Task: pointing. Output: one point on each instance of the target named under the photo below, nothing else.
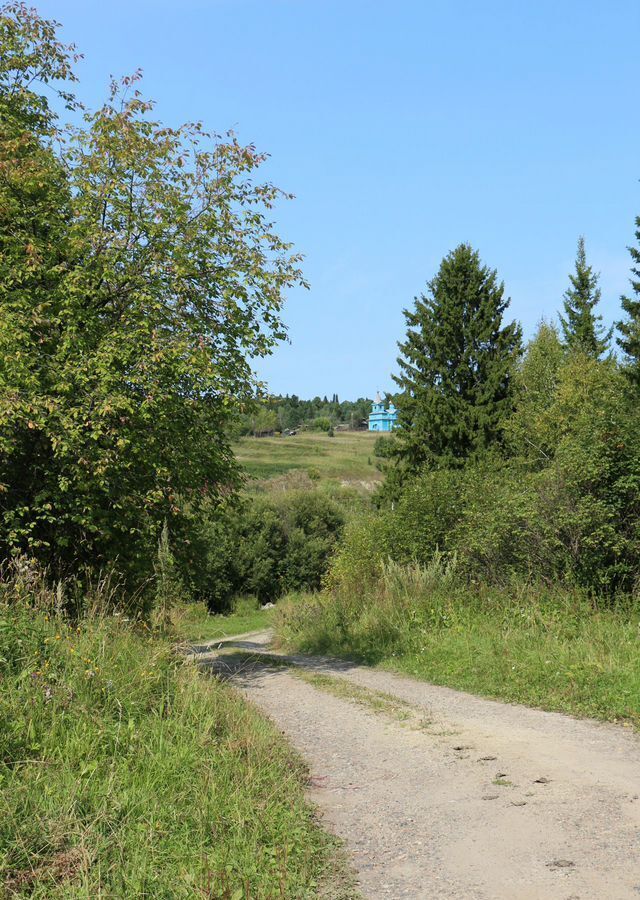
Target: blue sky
(403, 128)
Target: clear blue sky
(403, 128)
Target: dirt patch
(63, 866)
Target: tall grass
(534, 644)
(125, 773)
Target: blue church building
(381, 419)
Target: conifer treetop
(629, 340)
(582, 328)
(456, 364)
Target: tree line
(459, 361)
(287, 413)
(518, 461)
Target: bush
(577, 521)
(265, 546)
(565, 506)
(322, 423)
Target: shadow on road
(254, 661)
(224, 643)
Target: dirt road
(448, 795)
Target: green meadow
(345, 459)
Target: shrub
(565, 506)
(264, 546)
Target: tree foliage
(582, 328)
(293, 412)
(528, 432)
(139, 276)
(629, 328)
(456, 365)
(561, 505)
(263, 547)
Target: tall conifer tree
(582, 328)
(630, 329)
(456, 365)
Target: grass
(346, 458)
(194, 623)
(376, 701)
(585, 663)
(539, 647)
(126, 773)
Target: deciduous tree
(141, 274)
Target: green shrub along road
(262, 546)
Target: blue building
(381, 419)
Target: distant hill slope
(346, 458)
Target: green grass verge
(589, 667)
(553, 651)
(194, 623)
(126, 773)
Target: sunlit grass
(346, 457)
(194, 623)
(126, 773)
(537, 646)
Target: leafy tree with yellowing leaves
(139, 275)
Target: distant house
(381, 419)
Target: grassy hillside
(347, 457)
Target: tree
(35, 216)
(582, 329)
(629, 340)
(528, 430)
(265, 421)
(456, 366)
(128, 318)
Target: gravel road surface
(466, 797)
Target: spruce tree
(630, 329)
(456, 366)
(582, 329)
